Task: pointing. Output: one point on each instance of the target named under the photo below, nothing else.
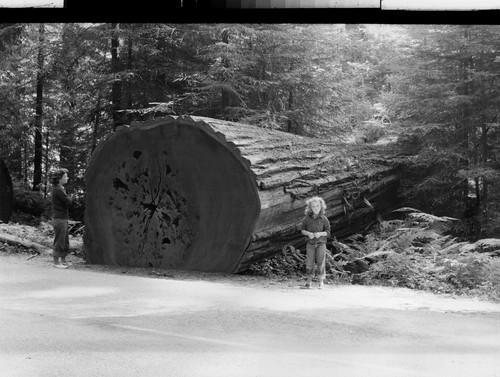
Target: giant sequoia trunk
(204, 194)
(6, 193)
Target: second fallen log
(14, 240)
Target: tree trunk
(225, 94)
(46, 159)
(485, 150)
(67, 157)
(6, 193)
(117, 83)
(469, 133)
(97, 119)
(205, 194)
(130, 48)
(290, 102)
(68, 122)
(26, 158)
(37, 161)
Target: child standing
(316, 228)
(60, 205)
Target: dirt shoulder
(345, 296)
(18, 255)
(42, 234)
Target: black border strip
(155, 13)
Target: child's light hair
(308, 210)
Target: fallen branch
(13, 240)
(290, 250)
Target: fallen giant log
(205, 194)
(6, 193)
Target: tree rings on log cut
(6, 193)
(169, 193)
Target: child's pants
(316, 252)
(61, 237)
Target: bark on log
(13, 240)
(6, 193)
(204, 194)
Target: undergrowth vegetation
(417, 251)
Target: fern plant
(417, 253)
(492, 272)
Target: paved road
(80, 323)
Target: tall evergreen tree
(40, 77)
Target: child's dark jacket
(314, 225)
(60, 203)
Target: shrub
(492, 272)
(395, 270)
(464, 272)
(371, 131)
(30, 202)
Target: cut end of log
(171, 194)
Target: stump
(6, 193)
(204, 194)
